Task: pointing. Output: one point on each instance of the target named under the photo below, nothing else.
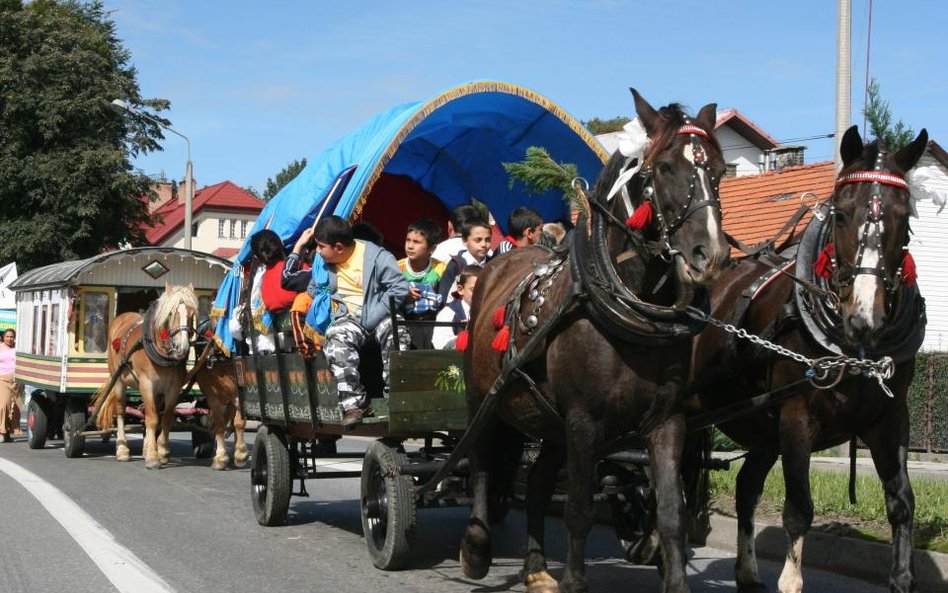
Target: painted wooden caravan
(63, 315)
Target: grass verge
(830, 491)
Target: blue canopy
(452, 145)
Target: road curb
(843, 555)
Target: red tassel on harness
(823, 266)
(909, 273)
(641, 218)
(500, 313)
(502, 340)
(164, 333)
(116, 344)
(460, 342)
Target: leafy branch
(540, 173)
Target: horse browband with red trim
(873, 177)
(693, 129)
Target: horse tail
(105, 406)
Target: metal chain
(819, 369)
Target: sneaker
(352, 417)
(9, 439)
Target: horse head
(869, 214)
(672, 196)
(175, 315)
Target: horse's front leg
(167, 419)
(220, 416)
(121, 443)
(888, 442)
(541, 484)
(149, 444)
(240, 446)
(475, 555)
(750, 483)
(582, 444)
(665, 444)
(795, 449)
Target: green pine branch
(540, 173)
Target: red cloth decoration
(208, 333)
(641, 218)
(823, 266)
(164, 333)
(502, 340)
(909, 273)
(460, 342)
(116, 344)
(500, 314)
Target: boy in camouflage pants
(362, 279)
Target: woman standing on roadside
(9, 390)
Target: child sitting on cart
(424, 278)
(362, 278)
(285, 280)
(456, 312)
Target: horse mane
(169, 300)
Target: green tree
(286, 174)
(67, 186)
(879, 115)
(604, 126)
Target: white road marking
(122, 567)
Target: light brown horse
(148, 353)
(218, 383)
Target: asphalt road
(190, 529)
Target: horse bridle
(172, 332)
(874, 213)
(665, 229)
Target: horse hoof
(123, 455)
(541, 582)
(219, 464)
(240, 460)
(152, 464)
(474, 566)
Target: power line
(784, 141)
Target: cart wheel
(203, 445)
(270, 477)
(634, 520)
(37, 422)
(388, 507)
(74, 420)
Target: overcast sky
(255, 85)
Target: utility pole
(843, 76)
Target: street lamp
(123, 108)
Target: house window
(731, 170)
(233, 229)
(220, 228)
(243, 229)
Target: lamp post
(122, 107)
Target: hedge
(928, 397)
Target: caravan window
(53, 343)
(95, 321)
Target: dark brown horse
(600, 333)
(860, 303)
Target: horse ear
(646, 112)
(191, 286)
(167, 286)
(708, 117)
(908, 156)
(851, 148)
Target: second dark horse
(602, 334)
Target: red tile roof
(755, 207)
(224, 196)
(746, 128)
(225, 252)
